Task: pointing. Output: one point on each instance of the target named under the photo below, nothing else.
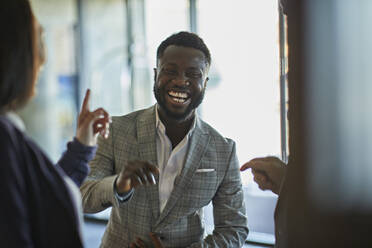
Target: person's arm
(74, 161)
(97, 190)
(15, 228)
(230, 221)
(268, 172)
(103, 188)
(82, 149)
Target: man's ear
(206, 82)
(155, 74)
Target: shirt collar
(16, 120)
(160, 126)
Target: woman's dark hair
(185, 39)
(16, 53)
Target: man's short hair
(185, 39)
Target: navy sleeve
(15, 230)
(74, 161)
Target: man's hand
(135, 174)
(91, 123)
(268, 172)
(140, 244)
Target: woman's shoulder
(12, 137)
(8, 131)
(13, 140)
(4, 122)
(11, 147)
(16, 148)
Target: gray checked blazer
(133, 137)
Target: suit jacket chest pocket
(202, 188)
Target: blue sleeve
(74, 161)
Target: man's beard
(159, 96)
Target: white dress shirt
(170, 161)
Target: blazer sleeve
(15, 220)
(97, 190)
(230, 221)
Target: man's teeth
(180, 100)
(178, 94)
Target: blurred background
(110, 47)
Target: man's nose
(182, 80)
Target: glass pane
(163, 18)
(245, 74)
(50, 117)
(243, 94)
(105, 55)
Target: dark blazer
(36, 209)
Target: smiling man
(160, 166)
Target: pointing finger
(85, 106)
(259, 164)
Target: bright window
(243, 100)
(243, 95)
(163, 18)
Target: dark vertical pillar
(322, 216)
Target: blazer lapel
(198, 143)
(146, 135)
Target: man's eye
(194, 75)
(170, 72)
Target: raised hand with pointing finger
(82, 149)
(268, 172)
(90, 124)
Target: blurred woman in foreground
(40, 201)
